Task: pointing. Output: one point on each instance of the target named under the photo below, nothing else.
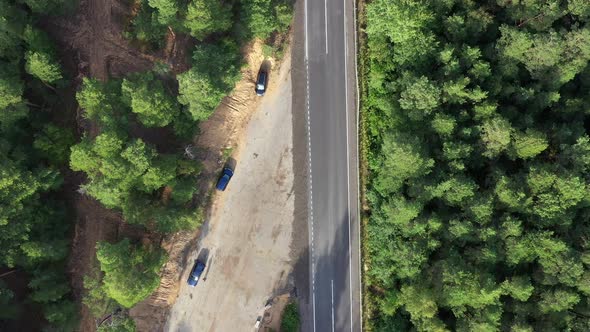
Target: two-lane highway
(332, 148)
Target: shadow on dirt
(231, 163)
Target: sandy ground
(224, 129)
(247, 242)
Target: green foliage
(263, 17)
(183, 190)
(128, 174)
(146, 96)
(166, 10)
(519, 288)
(404, 158)
(34, 231)
(419, 98)
(131, 272)
(101, 102)
(557, 300)
(216, 70)
(146, 26)
(479, 165)
(43, 67)
(62, 314)
(95, 298)
(11, 87)
(8, 309)
(117, 168)
(119, 324)
(529, 144)
(54, 143)
(48, 287)
(495, 135)
(206, 17)
(290, 321)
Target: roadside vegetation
(34, 145)
(477, 121)
(290, 321)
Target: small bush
(290, 321)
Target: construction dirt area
(247, 230)
(246, 242)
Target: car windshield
(260, 86)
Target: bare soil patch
(271, 320)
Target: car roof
(223, 181)
(198, 265)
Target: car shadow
(265, 66)
(231, 163)
(203, 255)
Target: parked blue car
(224, 179)
(261, 82)
(196, 272)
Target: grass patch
(290, 321)
(364, 148)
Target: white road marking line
(332, 305)
(311, 224)
(306, 46)
(326, 22)
(358, 187)
(347, 161)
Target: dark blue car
(261, 82)
(196, 272)
(224, 179)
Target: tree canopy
(206, 17)
(147, 97)
(215, 71)
(34, 226)
(126, 173)
(479, 154)
(131, 272)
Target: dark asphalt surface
(334, 225)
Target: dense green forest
(34, 224)
(123, 172)
(477, 116)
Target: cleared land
(246, 242)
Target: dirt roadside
(246, 241)
(223, 131)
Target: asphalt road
(332, 126)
